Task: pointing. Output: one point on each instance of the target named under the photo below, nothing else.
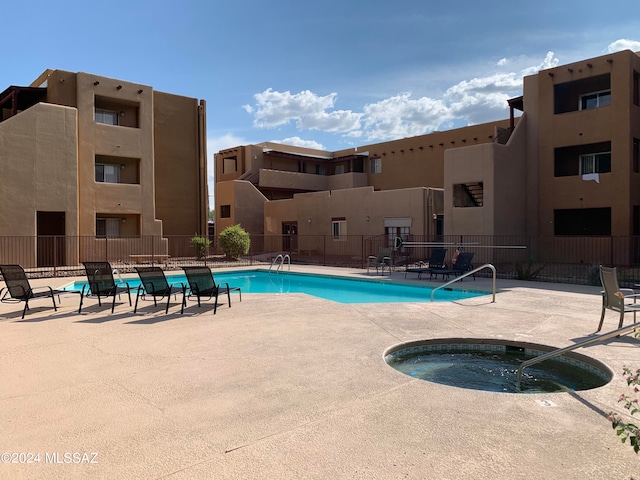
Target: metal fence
(553, 259)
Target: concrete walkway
(296, 387)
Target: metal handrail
(560, 351)
(471, 272)
(282, 259)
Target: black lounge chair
(462, 265)
(436, 262)
(203, 285)
(101, 284)
(153, 282)
(621, 300)
(19, 289)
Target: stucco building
(567, 167)
(89, 158)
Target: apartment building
(393, 188)
(89, 157)
(567, 167)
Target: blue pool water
(337, 289)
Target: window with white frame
(108, 117)
(595, 100)
(107, 173)
(339, 228)
(595, 163)
(107, 227)
(376, 165)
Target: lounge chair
(19, 289)
(153, 282)
(380, 261)
(436, 262)
(101, 284)
(462, 265)
(621, 300)
(203, 285)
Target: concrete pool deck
(296, 387)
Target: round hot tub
(491, 365)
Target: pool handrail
(466, 274)
(282, 259)
(560, 351)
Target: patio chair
(203, 285)
(19, 289)
(621, 300)
(153, 282)
(435, 262)
(462, 265)
(383, 259)
(101, 284)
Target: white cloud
(299, 142)
(403, 116)
(623, 44)
(550, 61)
(502, 62)
(309, 111)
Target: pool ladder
(282, 259)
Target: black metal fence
(554, 259)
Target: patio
(293, 386)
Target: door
(51, 247)
(289, 236)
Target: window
(229, 164)
(393, 232)
(595, 100)
(595, 163)
(339, 228)
(339, 169)
(320, 170)
(107, 173)
(225, 211)
(568, 96)
(108, 117)
(582, 221)
(107, 227)
(468, 194)
(376, 165)
(582, 159)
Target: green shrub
(525, 270)
(234, 242)
(200, 244)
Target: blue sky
(330, 74)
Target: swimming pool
(334, 288)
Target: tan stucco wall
(180, 175)
(39, 172)
(363, 208)
(618, 123)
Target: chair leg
(26, 307)
(229, 297)
(601, 319)
(113, 304)
(166, 310)
(621, 317)
(135, 309)
(215, 303)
